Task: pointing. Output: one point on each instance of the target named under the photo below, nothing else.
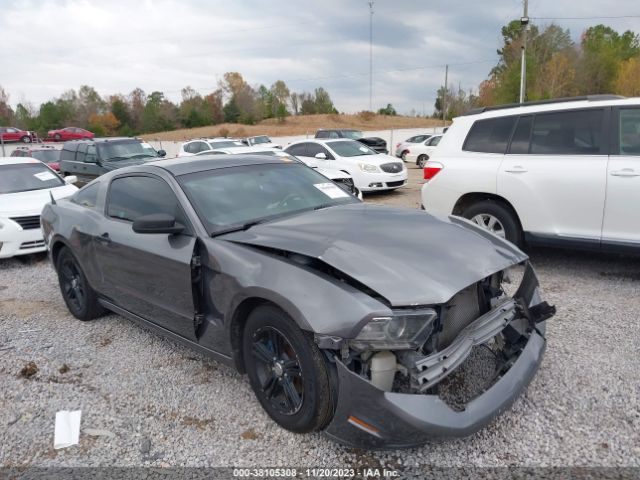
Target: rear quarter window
(490, 135)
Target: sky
(50, 46)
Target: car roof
(17, 160)
(323, 140)
(199, 163)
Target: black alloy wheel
(80, 298)
(287, 371)
(278, 370)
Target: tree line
(603, 61)
(233, 101)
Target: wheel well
(469, 199)
(238, 322)
(55, 251)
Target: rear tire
(288, 373)
(81, 299)
(497, 218)
(57, 137)
(403, 156)
(26, 139)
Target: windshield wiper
(239, 228)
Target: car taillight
(431, 171)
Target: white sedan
(26, 186)
(420, 152)
(403, 147)
(371, 171)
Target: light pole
(371, 56)
(524, 22)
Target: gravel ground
(158, 403)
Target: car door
(621, 223)
(302, 151)
(146, 274)
(11, 135)
(554, 173)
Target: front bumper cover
(402, 420)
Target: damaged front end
(438, 371)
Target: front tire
(57, 137)
(80, 298)
(26, 139)
(287, 371)
(422, 160)
(497, 218)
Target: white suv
(564, 172)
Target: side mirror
(162, 153)
(321, 156)
(70, 179)
(157, 223)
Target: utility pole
(444, 96)
(371, 56)
(524, 22)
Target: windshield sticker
(331, 190)
(44, 176)
(363, 149)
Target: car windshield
(226, 144)
(46, 156)
(352, 134)
(236, 198)
(261, 139)
(24, 177)
(350, 149)
(115, 151)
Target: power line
(585, 18)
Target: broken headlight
(402, 331)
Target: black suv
(374, 143)
(88, 159)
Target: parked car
(45, 153)
(261, 141)
(26, 185)
(69, 133)
(88, 159)
(371, 171)
(421, 152)
(403, 147)
(255, 150)
(13, 134)
(375, 143)
(345, 316)
(563, 173)
(193, 147)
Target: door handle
(516, 169)
(104, 238)
(625, 172)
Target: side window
(489, 136)
(322, 134)
(202, 146)
(435, 141)
(298, 150)
(521, 136)
(334, 135)
(630, 131)
(190, 147)
(82, 150)
(87, 197)
(92, 156)
(314, 148)
(568, 133)
(132, 197)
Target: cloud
(118, 45)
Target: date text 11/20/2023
(362, 472)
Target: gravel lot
(162, 404)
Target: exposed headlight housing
(368, 168)
(402, 331)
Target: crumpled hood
(407, 256)
(32, 202)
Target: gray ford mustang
(350, 318)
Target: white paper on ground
(44, 176)
(67, 431)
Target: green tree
(388, 110)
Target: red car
(45, 153)
(69, 133)
(13, 134)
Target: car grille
(395, 184)
(28, 223)
(394, 167)
(459, 312)
(34, 244)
